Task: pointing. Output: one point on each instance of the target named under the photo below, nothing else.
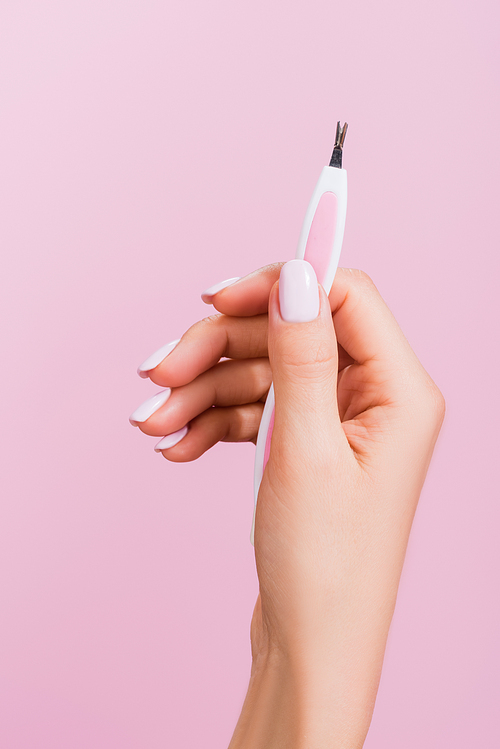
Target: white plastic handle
(320, 243)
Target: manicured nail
(298, 292)
(212, 290)
(156, 358)
(149, 407)
(171, 439)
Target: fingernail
(171, 439)
(156, 358)
(298, 292)
(149, 407)
(212, 290)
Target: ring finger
(232, 424)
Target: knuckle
(309, 361)
(210, 321)
(432, 403)
(249, 422)
(438, 403)
(359, 285)
(207, 329)
(362, 280)
(358, 276)
(264, 377)
(274, 268)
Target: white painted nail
(149, 407)
(156, 358)
(298, 292)
(212, 290)
(171, 439)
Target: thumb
(304, 362)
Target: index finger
(207, 341)
(365, 327)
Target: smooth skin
(356, 421)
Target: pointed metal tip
(340, 134)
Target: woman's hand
(355, 425)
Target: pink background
(148, 150)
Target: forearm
(323, 693)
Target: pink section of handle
(321, 234)
(267, 448)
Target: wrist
(286, 707)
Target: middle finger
(228, 383)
